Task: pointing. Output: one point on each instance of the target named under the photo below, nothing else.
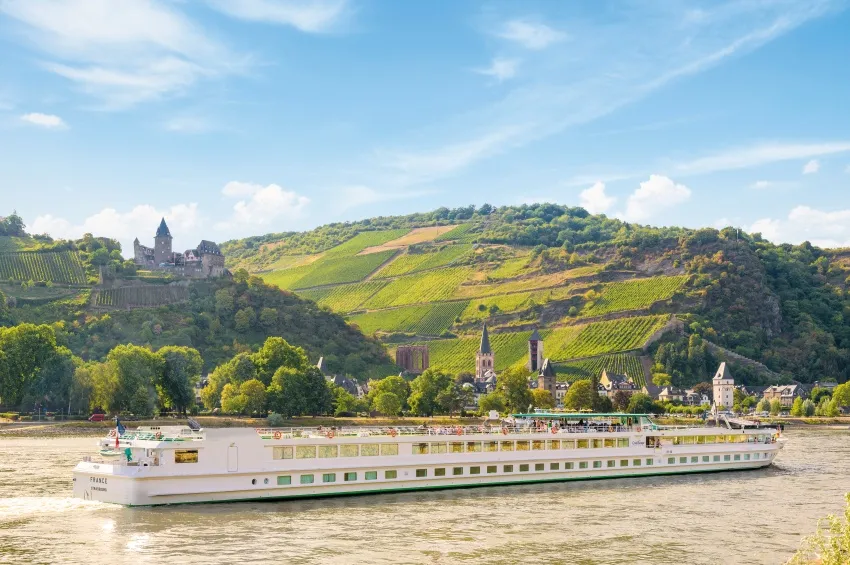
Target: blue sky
(242, 117)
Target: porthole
(253, 481)
(265, 481)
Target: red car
(97, 417)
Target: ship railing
(430, 431)
(157, 436)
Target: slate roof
(723, 373)
(546, 370)
(207, 247)
(485, 341)
(162, 230)
(535, 336)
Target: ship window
(737, 457)
(306, 479)
(683, 459)
(746, 456)
(624, 462)
(539, 466)
(507, 446)
(568, 465)
(327, 451)
(610, 442)
(282, 452)
(689, 440)
(648, 461)
(705, 458)
(727, 457)
(611, 463)
(710, 439)
(553, 444)
(597, 464)
(439, 472)
(390, 474)
(523, 468)
(305, 452)
(371, 475)
(568, 444)
(700, 439)
(508, 469)
(283, 480)
(716, 458)
(492, 469)
(185, 455)
(348, 477)
(721, 439)
(473, 447)
(456, 447)
(349, 450)
(622, 442)
(637, 462)
(671, 460)
(475, 470)
(677, 440)
(421, 473)
(420, 449)
(329, 478)
(598, 443)
(582, 465)
(369, 449)
(538, 445)
(582, 444)
(554, 466)
(491, 446)
(438, 448)
(695, 459)
(522, 446)
(457, 471)
(389, 449)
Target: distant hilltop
(205, 261)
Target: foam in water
(12, 509)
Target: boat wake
(21, 508)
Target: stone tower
(484, 359)
(724, 387)
(535, 352)
(162, 244)
(547, 378)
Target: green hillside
(596, 286)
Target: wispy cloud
(761, 184)
(529, 34)
(261, 206)
(500, 69)
(594, 199)
(811, 167)
(306, 15)
(655, 195)
(121, 55)
(757, 155)
(804, 223)
(188, 124)
(48, 121)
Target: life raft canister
(276, 435)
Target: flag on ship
(120, 429)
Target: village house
(613, 382)
(786, 394)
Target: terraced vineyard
(422, 320)
(611, 336)
(433, 286)
(460, 234)
(513, 267)
(139, 296)
(456, 355)
(342, 269)
(588, 368)
(520, 285)
(414, 262)
(363, 240)
(345, 297)
(634, 295)
(64, 267)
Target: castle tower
(535, 352)
(484, 359)
(724, 387)
(162, 244)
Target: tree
(135, 371)
(393, 384)
(580, 395)
(841, 394)
(454, 397)
(797, 407)
(775, 407)
(424, 390)
(275, 353)
(620, 400)
(830, 545)
(231, 401)
(807, 408)
(493, 401)
(387, 403)
(268, 318)
(24, 349)
(832, 409)
(818, 393)
(662, 379)
(763, 405)
(346, 404)
(640, 403)
(542, 398)
(704, 388)
(236, 371)
(244, 319)
(296, 392)
(254, 394)
(513, 384)
(180, 375)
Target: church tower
(535, 352)
(484, 359)
(162, 244)
(724, 387)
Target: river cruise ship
(174, 464)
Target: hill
(598, 288)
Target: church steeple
(484, 360)
(162, 230)
(485, 341)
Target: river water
(736, 517)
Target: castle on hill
(205, 261)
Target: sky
(234, 118)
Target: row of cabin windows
(309, 479)
(699, 440)
(716, 458)
(522, 445)
(331, 451)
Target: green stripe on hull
(451, 486)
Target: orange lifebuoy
(277, 435)
(459, 431)
(111, 433)
(158, 435)
(638, 428)
(554, 430)
(505, 431)
(330, 434)
(393, 432)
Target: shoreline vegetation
(82, 428)
(830, 544)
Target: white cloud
(811, 167)
(594, 199)
(500, 69)
(188, 124)
(122, 55)
(757, 155)
(529, 34)
(654, 195)
(141, 221)
(49, 121)
(803, 223)
(261, 205)
(761, 184)
(305, 15)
